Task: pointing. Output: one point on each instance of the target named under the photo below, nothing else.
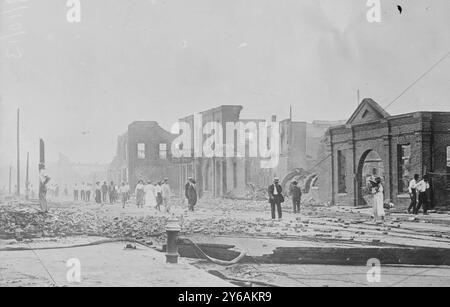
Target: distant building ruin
(144, 152)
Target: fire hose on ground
(108, 241)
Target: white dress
(378, 202)
(150, 197)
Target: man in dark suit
(191, 194)
(296, 193)
(275, 197)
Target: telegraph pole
(10, 177)
(27, 181)
(18, 153)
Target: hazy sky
(162, 60)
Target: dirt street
(226, 221)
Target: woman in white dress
(378, 200)
(150, 197)
(140, 193)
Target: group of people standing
(153, 194)
(419, 192)
(276, 197)
(103, 193)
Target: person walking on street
(140, 194)
(378, 200)
(123, 194)
(296, 193)
(191, 194)
(88, 192)
(150, 196)
(158, 192)
(112, 192)
(413, 193)
(104, 192)
(186, 188)
(82, 191)
(166, 194)
(98, 193)
(43, 181)
(276, 198)
(423, 187)
(76, 191)
(127, 188)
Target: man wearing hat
(186, 187)
(275, 197)
(296, 193)
(191, 194)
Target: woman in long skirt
(140, 193)
(378, 200)
(98, 193)
(150, 198)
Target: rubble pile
(61, 223)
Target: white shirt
(422, 186)
(412, 185)
(275, 190)
(158, 189)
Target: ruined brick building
(374, 143)
(143, 152)
(237, 176)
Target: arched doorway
(370, 166)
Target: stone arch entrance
(370, 166)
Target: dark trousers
(412, 206)
(276, 204)
(88, 195)
(423, 202)
(191, 203)
(296, 204)
(75, 195)
(104, 195)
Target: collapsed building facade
(144, 152)
(244, 176)
(374, 143)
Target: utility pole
(42, 153)
(27, 181)
(10, 177)
(18, 153)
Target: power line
(319, 163)
(418, 79)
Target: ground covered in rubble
(222, 217)
(244, 224)
(212, 216)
